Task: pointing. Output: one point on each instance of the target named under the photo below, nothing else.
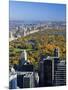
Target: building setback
(52, 71)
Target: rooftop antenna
(56, 52)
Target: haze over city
(29, 11)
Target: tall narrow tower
(24, 31)
(11, 37)
(23, 57)
(25, 54)
(56, 52)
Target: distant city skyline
(33, 11)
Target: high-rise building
(24, 55)
(23, 58)
(20, 81)
(60, 73)
(12, 79)
(48, 68)
(45, 73)
(13, 82)
(28, 80)
(25, 72)
(24, 69)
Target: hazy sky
(19, 10)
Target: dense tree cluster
(37, 44)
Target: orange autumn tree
(49, 49)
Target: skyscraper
(45, 73)
(12, 79)
(60, 74)
(20, 81)
(47, 69)
(23, 58)
(13, 82)
(28, 81)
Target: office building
(45, 73)
(28, 80)
(13, 83)
(20, 81)
(12, 79)
(51, 70)
(60, 74)
(23, 58)
(23, 72)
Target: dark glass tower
(47, 69)
(20, 81)
(45, 73)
